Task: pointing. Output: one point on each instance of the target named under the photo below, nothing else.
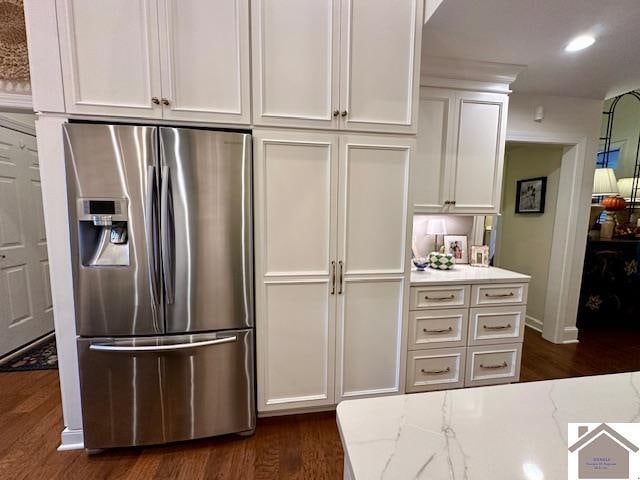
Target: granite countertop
(468, 275)
(505, 432)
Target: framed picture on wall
(479, 256)
(456, 245)
(530, 195)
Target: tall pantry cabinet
(331, 224)
(332, 206)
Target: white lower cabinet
(331, 223)
(459, 343)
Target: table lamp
(605, 184)
(436, 226)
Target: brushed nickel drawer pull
(499, 295)
(502, 365)
(437, 330)
(497, 327)
(449, 297)
(435, 372)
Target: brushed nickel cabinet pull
(155, 100)
(437, 330)
(340, 265)
(489, 367)
(453, 202)
(336, 113)
(165, 101)
(344, 113)
(497, 327)
(447, 202)
(449, 297)
(498, 295)
(333, 277)
(435, 372)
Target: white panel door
(430, 172)
(25, 293)
(374, 189)
(110, 57)
(295, 62)
(295, 242)
(380, 64)
(369, 334)
(481, 120)
(205, 60)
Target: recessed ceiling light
(580, 43)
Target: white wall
(574, 122)
(524, 243)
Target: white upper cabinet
(380, 65)
(110, 62)
(295, 62)
(336, 64)
(460, 153)
(179, 60)
(204, 49)
(430, 173)
(481, 126)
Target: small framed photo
(479, 256)
(530, 195)
(456, 245)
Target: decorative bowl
(420, 263)
(441, 261)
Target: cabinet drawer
(435, 369)
(439, 297)
(438, 328)
(493, 364)
(499, 294)
(488, 325)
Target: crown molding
(466, 74)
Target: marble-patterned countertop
(467, 275)
(505, 432)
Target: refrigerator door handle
(165, 234)
(150, 235)
(119, 347)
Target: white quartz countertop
(516, 431)
(466, 274)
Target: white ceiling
(534, 33)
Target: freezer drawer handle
(101, 347)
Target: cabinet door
(380, 65)
(295, 241)
(110, 57)
(205, 60)
(369, 337)
(372, 233)
(295, 62)
(430, 172)
(481, 126)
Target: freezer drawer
(148, 390)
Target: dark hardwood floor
(291, 447)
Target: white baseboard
(570, 335)
(533, 323)
(71, 440)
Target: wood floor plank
(290, 447)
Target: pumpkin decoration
(614, 204)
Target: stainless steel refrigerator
(161, 223)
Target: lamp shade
(436, 226)
(604, 182)
(625, 187)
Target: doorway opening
(26, 310)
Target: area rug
(40, 357)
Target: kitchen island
(516, 431)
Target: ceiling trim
(464, 74)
